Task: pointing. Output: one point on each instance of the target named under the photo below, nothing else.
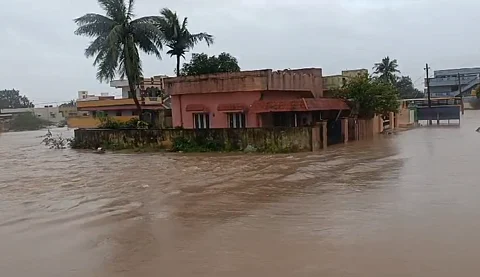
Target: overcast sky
(41, 56)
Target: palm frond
(202, 37)
(131, 4)
(92, 25)
(108, 50)
(185, 23)
(169, 14)
(107, 65)
(115, 36)
(115, 9)
(148, 38)
(95, 47)
(130, 64)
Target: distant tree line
(380, 92)
(203, 64)
(386, 71)
(11, 99)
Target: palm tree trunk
(178, 65)
(135, 98)
(132, 78)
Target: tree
(405, 88)
(386, 70)
(369, 96)
(203, 64)
(11, 99)
(177, 36)
(117, 40)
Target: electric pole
(428, 91)
(428, 86)
(459, 85)
(460, 92)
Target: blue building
(450, 82)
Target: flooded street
(402, 205)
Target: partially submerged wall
(256, 139)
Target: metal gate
(439, 113)
(334, 132)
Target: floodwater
(402, 205)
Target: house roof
(122, 108)
(299, 105)
(231, 107)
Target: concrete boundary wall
(276, 140)
(260, 139)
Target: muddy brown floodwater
(403, 205)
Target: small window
(118, 113)
(201, 120)
(134, 113)
(236, 120)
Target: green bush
(107, 122)
(27, 122)
(198, 144)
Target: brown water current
(401, 205)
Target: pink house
(260, 98)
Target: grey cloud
(43, 58)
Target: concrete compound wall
(293, 139)
(261, 139)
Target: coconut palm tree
(386, 70)
(117, 38)
(177, 36)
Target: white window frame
(201, 120)
(236, 120)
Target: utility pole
(459, 85)
(428, 86)
(428, 91)
(460, 93)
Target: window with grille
(201, 120)
(236, 120)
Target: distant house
(333, 82)
(4, 121)
(68, 111)
(91, 108)
(48, 113)
(452, 82)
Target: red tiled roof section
(231, 107)
(196, 108)
(299, 105)
(326, 104)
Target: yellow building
(68, 111)
(119, 109)
(338, 81)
